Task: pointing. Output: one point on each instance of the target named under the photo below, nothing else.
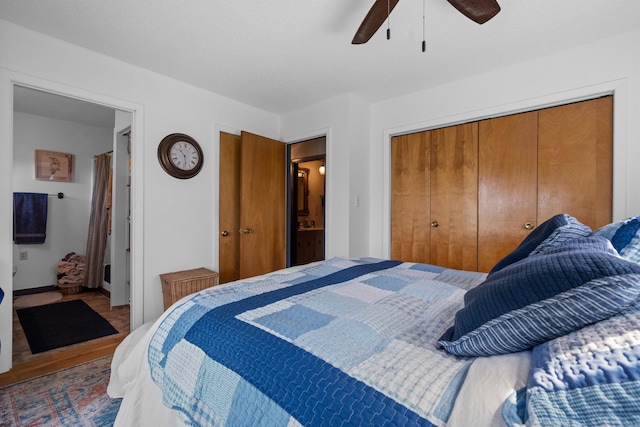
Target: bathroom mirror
(303, 191)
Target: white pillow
(490, 381)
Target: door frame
(120, 291)
(330, 217)
(325, 133)
(8, 80)
(292, 200)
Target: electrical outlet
(23, 255)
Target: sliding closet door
(410, 198)
(229, 219)
(575, 161)
(262, 205)
(454, 196)
(507, 191)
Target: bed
(550, 336)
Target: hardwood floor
(27, 365)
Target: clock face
(184, 155)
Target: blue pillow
(542, 297)
(554, 231)
(625, 237)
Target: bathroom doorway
(81, 130)
(307, 187)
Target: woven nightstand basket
(182, 283)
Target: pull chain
(424, 39)
(388, 18)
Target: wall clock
(180, 155)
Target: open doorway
(307, 201)
(81, 131)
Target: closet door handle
(246, 230)
(225, 233)
(434, 223)
(528, 225)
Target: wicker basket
(182, 283)
(70, 288)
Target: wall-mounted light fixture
(321, 170)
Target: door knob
(246, 230)
(434, 223)
(225, 233)
(528, 225)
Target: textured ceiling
(281, 55)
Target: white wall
(359, 169)
(68, 218)
(608, 66)
(174, 224)
(345, 121)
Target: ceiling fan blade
(374, 19)
(479, 11)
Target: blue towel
(29, 217)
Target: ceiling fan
(479, 11)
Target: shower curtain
(98, 221)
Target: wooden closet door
(410, 198)
(262, 205)
(507, 191)
(454, 197)
(575, 161)
(229, 217)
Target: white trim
(10, 79)
(329, 182)
(618, 88)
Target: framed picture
(54, 166)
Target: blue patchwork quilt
(343, 342)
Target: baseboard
(55, 361)
(31, 291)
(104, 292)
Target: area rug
(75, 396)
(61, 324)
(33, 300)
